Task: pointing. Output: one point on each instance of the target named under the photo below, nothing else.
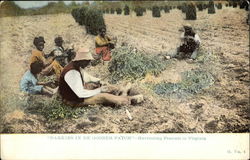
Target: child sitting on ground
(30, 84)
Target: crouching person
(75, 89)
(103, 45)
(190, 43)
(29, 83)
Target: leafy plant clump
(127, 63)
(118, 11)
(219, 6)
(200, 7)
(211, 9)
(126, 10)
(193, 82)
(90, 17)
(94, 20)
(190, 12)
(166, 9)
(139, 11)
(156, 12)
(52, 108)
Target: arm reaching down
(73, 79)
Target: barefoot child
(29, 80)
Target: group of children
(74, 82)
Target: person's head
(187, 28)
(36, 67)
(82, 58)
(39, 43)
(59, 41)
(102, 31)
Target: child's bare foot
(126, 89)
(136, 99)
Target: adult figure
(74, 88)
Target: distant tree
(183, 7)
(139, 11)
(190, 12)
(219, 6)
(200, 7)
(156, 11)
(166, 9)
(9, 8)
(211, 9)
(118, 11)
(126, 10)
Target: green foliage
(235, 4)
(200, 7)
(118, 11)
(107, 10)
(139, 11)
(193, 82)
(92, 18)
(191, 12)
(126, 10)
(127, 63)
(156, 11)
(112, 11)
(183, 7)
(81, 15)
(211, 9)
(52, 108)
(166, 9)
(9, 8)
(219, 6)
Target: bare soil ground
(223, 107)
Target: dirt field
(223, 107)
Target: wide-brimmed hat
(83, 54)
(187, 26)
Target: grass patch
(52, 108)
(130, 64)
(193, 82)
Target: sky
(31, 4)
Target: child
(29, 80)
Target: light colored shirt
(28, 84)
(87, 77)
(196, 38)
(74, 80)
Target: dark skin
(40, 46)
(83, 64)
(59, 43)
(37, 70)
(102, 33)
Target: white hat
(83, 54)
(187, 25)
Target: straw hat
(187, 25)
(83, 54)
